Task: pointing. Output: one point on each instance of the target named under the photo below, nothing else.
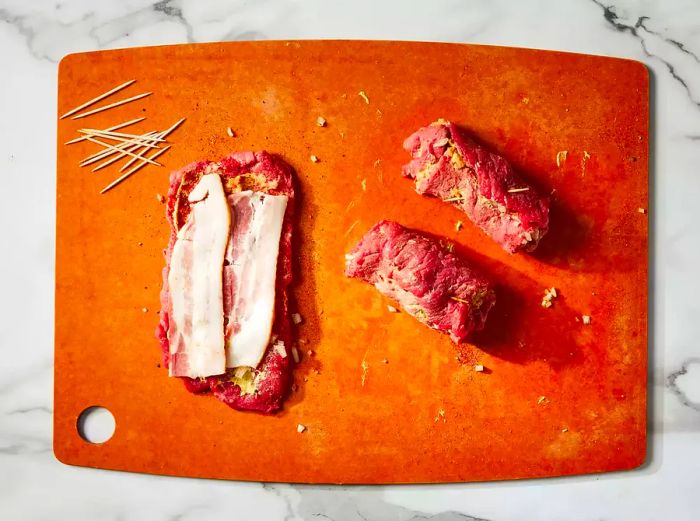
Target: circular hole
(96, 424)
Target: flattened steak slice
(430, 283)
(265, 387)
(447, 164)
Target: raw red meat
(264, 389)
(449, 165)
(431, 283)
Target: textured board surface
(425, 415)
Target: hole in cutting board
(96, 424)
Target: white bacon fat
(251, 271)
(196, 328)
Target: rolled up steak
(449, 165)
(429, 281)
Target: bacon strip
(250, 272)
(196, 328)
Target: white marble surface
(34, 35)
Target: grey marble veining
(35, 35)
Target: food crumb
(295, 354)
(586, 319)
(526, 100)
(642, 210)
(306, 378)
(310, 352)
(549, 294)
(440, 415)
(301, 428)
(385, 361)
(363, 96)
(541, 400)
(450, 247)
(377, 162)
(586, 155)
(321, 121)
(561, 157)
(565, 430)
(479, 368)
(365, 367)
(160, 198)
(364, 185)
(145, 310)
(314, 159)
(458, 225)
(140, 244)
(230, 132)
(296, 318)
(392, 309)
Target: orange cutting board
(384, 398)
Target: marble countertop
(33, 38)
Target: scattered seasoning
(561, 157)
(364, 185)
(296, 318)
(549, 295)
(641, 210)
(314, 159)
(301, 428)
(385, 361)
(145, 310)
(279, 348)
(460, 300)
(450, 247)
(541, 400)
(321, 122)
(230, 132)
(365, 367)
(586, 319)
(295, 355)
(140, 244)
(479, 368)
(392, 309)
(310, 352)
(526, 100)
(516, 190)
(363, 96)
(440, 416)
(459, 225)
(586, 155)
(565, 430)
(377, 162)
(160, 198)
